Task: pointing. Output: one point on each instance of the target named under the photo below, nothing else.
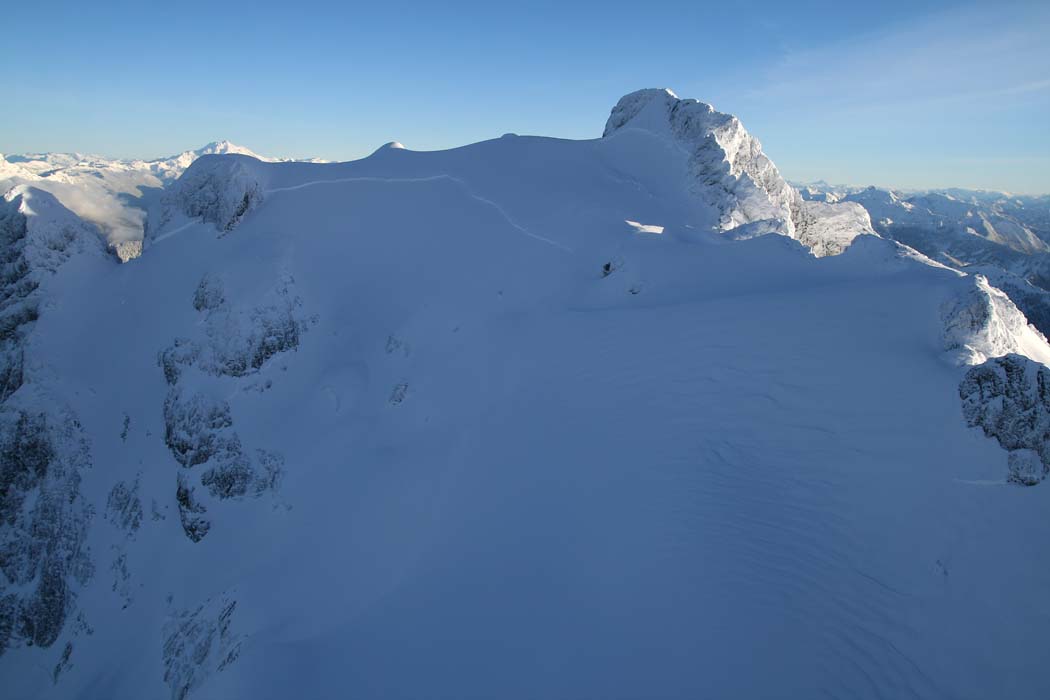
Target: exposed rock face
(43, 518)
(198, 643)
(199, 428)
(194, 524)
(1009, 398)
(37, 235)
(733, 174)
(237, 341)
(209, 294)
(199, 432)
(123, 507)
(43, 525)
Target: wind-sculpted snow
(1009, 398)
(733, 174)
(525, 398)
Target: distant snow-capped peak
(183, 160)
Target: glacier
(533, 417)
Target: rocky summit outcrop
(219, 190)
(732, 173)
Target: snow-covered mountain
(1003, 236)
(533, 417)
(954, 217)
(110, 193)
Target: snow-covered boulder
(829, 228)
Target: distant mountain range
(1003, 236)
(114, 194)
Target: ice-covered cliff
(732, 173)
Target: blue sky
(908, 94)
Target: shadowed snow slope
(446, 425)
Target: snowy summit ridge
(470, 412)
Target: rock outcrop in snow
(199, 428)
(198, 643)
(43, 452)
(733, 174)
(215, 190)
(1009, 398)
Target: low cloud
(118, 220)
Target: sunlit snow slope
(462, 424)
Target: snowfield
(613, 418)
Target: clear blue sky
(910, 94)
